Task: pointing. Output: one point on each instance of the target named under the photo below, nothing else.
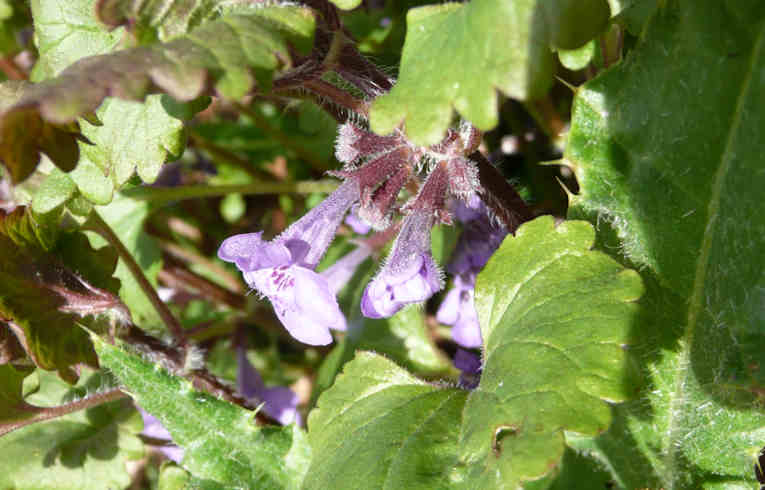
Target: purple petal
(318, 226)
(470, 365)
(467, 362)
(409, 275)
(357, 224)
(302, 301)
(247, 377)
(249, 252)
(467, 331)
(280, 402)
(449, 311)
(153, 428)
(458, 310)
(339, 273)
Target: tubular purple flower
(409, 275)
(458, 310)
(357, 224)
(279, 402)
(339, 273)
(282, 270)
(479, 239)
(470, 365)
(153, 428)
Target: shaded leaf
(676, 169)
(221, 441)
(87, 449)
(24, 135)
(42, 300)
(128, 136)
(478, 48)
(12, 404)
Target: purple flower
(470, 365)
(479, 240)
(357, 224)
(282, 269)
(339, 273)
(279, 402)
(458, 310)
(409, 275)
(154, 429)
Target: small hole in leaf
(499, 435)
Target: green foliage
(50, 284)
(380, 427)
(156, 19)
(675, 169)
(221, 441)
(507, 43)
(87, 449)
(248, 45)
(550, 363)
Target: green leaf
(129, 135)
(577, 59)
(551, 362)
(43, 299)
(12, 404)
(555, 317)
(477, 48)
(24, 135)
(66, 31)
(221, 441)
(676, 169)
(248, 46)
(156, 19)
(55, 190)
(346, 4)
(87, 449)
(380, 427)
(132, 137)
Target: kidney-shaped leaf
(477, 48)
(555, 315)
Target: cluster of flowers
(376, 169)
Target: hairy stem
(338, 96)
(500, 196)
(40, 414)
(97, 224)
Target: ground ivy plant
(382, 244)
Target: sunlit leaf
(478, 48)
(555, 316)
(221, 441)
